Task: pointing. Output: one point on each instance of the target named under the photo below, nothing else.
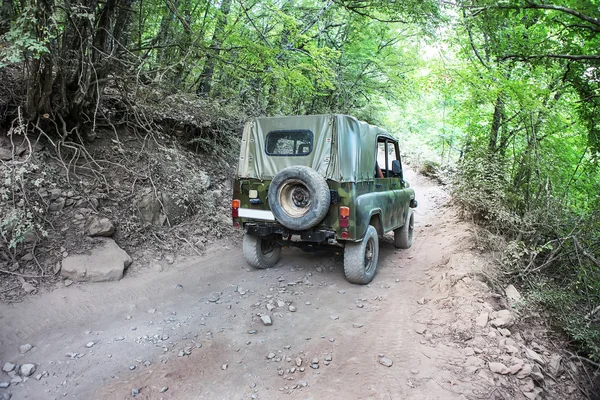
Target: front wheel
(403, 236)
(360, 259)
(261, 252)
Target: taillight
(344, 217)
(235, 207)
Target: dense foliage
(523, 91)
(507, 93)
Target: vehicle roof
(295, 119)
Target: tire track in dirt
(88, 304)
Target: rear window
(289, 143)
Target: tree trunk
(163, 33)
(496, 123)
(206, 77)
(7, 14)
(39, 70)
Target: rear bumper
(311, 235)
(262, 215)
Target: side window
(289, 143)
(387, 153)
(381, 159)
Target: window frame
(386, 140)
(312, 138)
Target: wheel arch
(366, 218)
(375, 220)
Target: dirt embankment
(427, 327)
(85, 207)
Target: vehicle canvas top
(320, 142)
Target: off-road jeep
(317, 180)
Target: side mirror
(396, 168)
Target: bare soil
(419, 312)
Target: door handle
(378, 185)
(393, 183)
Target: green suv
(321, 180)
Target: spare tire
(299, 197)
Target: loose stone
(25, 348)
(386, 362)
(266, 320)
(8, 367)
(27, 369)
(499, 368)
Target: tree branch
(575, 13)
(364, 14)
(593, 259)
(572, 57)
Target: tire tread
(354, 255)
(402, 236)
(251, 249)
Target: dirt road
(193, 331)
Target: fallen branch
(190, 243)
(575, 357)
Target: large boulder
(155, 209)
(106, 262)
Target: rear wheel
(360, 259)
(261, 252)
(403, 236)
